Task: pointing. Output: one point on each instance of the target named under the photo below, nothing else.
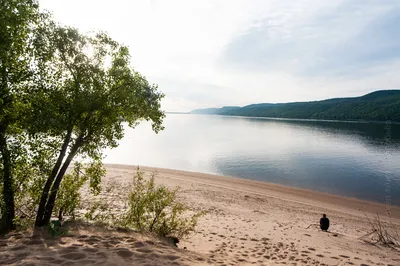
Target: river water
(359, 160)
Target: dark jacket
(324, 223)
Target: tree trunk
(52, 198)
(7, 222)
(50, 180)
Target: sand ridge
(91, 245)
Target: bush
(142, 206)
(156, 209)
(148, 208)
(30, 178)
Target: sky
(214, 53)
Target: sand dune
(91, 245)
(247, 223)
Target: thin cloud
(216, 52)
(348, 40)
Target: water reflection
(352, 159)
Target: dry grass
(382, 233)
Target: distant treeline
(381, 105)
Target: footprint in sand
(67, 250)
(11, 261)
(102, 255)
(17, 248)
(138, 244)
(74, 256)
(90, 250)
(124, 253)
(171, 257)
(144, 250)
(33, 242)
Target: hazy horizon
(218, 53)
(279, 102)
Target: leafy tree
(87, 91)
(17, 22)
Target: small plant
(55, 229)
(69, 196)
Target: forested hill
(376, 106)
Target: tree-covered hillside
(376, 106)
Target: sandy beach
(247, 223)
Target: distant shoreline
(382, 106)
(178, 113)
(302, 119)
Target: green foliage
(156, 209)
(63, 94)
(17, 23)
(32, 165)
(55, 229)
(94, 93)
(87, 98)
(27, 195)
(376, 106)
(95, 172)
(69, 195)
(145, 206)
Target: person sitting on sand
(324, 223)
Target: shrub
(156, 209)
(30, 178)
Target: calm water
(351, 159)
